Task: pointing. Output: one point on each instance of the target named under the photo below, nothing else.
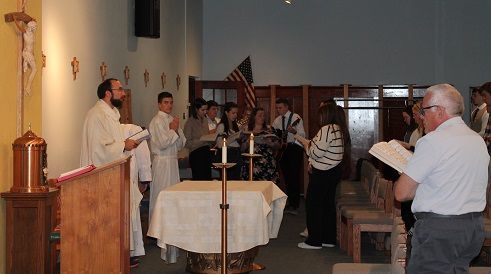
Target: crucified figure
(28, 35)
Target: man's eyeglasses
(422, 110)
(120, 89)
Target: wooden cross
(126, 72)
(75, 68)
(146, 77)
(103, 69)
(163, 79)
(178, 81)
(43, 57)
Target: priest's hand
(130, 144)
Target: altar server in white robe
(166, 140)
(103, 138)
(140, 170)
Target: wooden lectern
(95, 220)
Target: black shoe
(134, 262)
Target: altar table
(187, 215)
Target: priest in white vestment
(166, 140)
(103, 138)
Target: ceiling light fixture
(289, 2)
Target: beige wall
(9, 86)
(96, 31)
(93, 31)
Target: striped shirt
(326, 149)
(487, 135)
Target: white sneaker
(304, 233)
(307, 246)
(328, 245)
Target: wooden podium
(95, 220)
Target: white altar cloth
(188, 215)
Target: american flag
(243, 73)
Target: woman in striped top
(326, 153)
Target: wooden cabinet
(30, 219)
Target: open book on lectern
(392, 153)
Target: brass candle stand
(251, 163)
(224, 207)
(255, 266)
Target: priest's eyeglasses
(422, 110)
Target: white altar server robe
(164, 144)
(140, 167)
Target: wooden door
(221, 92)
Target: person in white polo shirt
(447, 179)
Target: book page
(232, 137)
(140, 136)
(391, 153)
(75, 172)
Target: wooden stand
(224, 207)
(30, 219)
(251, 163)
(95, 220)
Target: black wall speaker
(147, 18)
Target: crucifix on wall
(126, 72)
(26, 26)
(146, 77)
(163, 79)
(75, 67)
(178, 81)
(43, 57)
(103, 69)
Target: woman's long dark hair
(252, 119)
(333, 114)
(224, 120)
(198, 103)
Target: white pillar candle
(251, 144)
(224, 151)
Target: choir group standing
(105, 140)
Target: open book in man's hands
(140, 136)
(392, 153)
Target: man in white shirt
(103, 141)
(479, 116)
(447, 178)
(167, 139)
(211, 116)
(290, 123)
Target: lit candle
(251, 144)
(224, 151)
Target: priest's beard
(117, 102)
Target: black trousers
(200, 162)
(291, 164)
(445, 245)
(321, 207)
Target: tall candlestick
(251, 144)
(224, 151)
